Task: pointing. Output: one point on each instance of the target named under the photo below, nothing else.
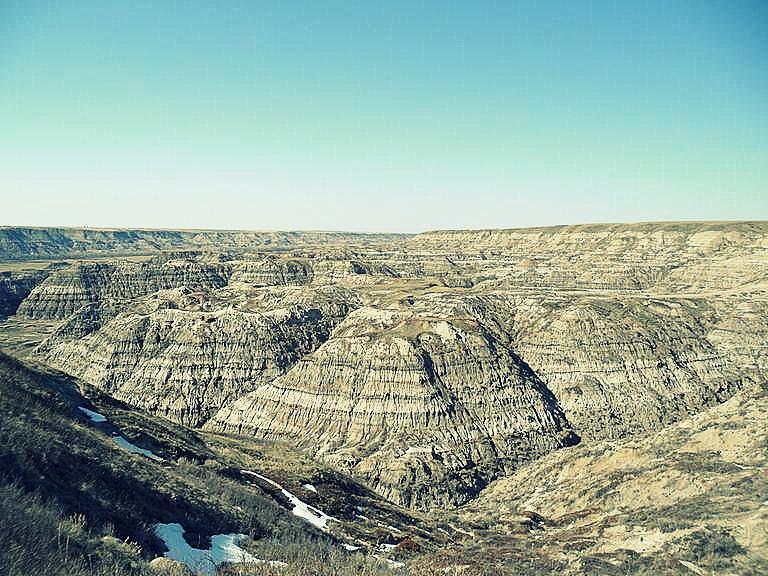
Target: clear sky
(376, 116)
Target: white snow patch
(309, 488)
(350, 547)
(224, 548)
(392, 563)
(387, 547)
(301, 509)
(94, 417)
(123, 443)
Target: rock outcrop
(67, 290)
(702, 479)
(27, 243)
(426, 409)
(668, 257)
(169, 356)
(432, 366)
(16, 286)
(84, 283)
(621, 366)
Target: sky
(381, 116)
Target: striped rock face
(173, 355)
(426, 410)
(427, 366)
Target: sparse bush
(408, 545)
(713, 542)
(38, 538)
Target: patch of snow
(362, 517)
(457, 529)
(350, 547)
(301, 509)
(387, 547)
(224, 548)
(94, 417)
(392, 563)
(393, 528)
(123, 443)
(692, 567)
(309, 488)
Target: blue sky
(400, 116)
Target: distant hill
(31, 243)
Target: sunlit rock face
(65, 291)
(667, 257)
(25, 243)
(170, 355)
(625, 366)
(427, 366)
(427, 410)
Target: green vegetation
(38, 537)
(74, 503)
(714, 547)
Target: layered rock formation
(26, 243)
(664, 256)
(273, 271)
(433, 366)
(168, 355)
(426, 409)
(84, 283)
(16, 286)
(686, 486)
(365, 400)
(65, 291)
(628, 365)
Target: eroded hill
(433, 368)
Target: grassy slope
(690, 498)
(66, 489)
(693, 496)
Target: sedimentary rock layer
(428, 368)
(649, 493)
(663, 256)
(84, 283)
(65, 291)
(25, 243)
(16, 286)
(427, 410)
(620, 366)
(169, 356)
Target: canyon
(448, 370)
